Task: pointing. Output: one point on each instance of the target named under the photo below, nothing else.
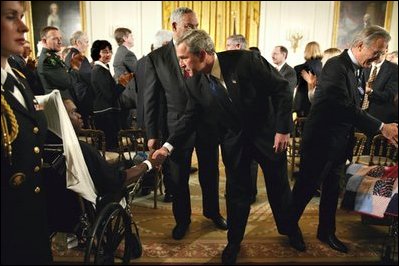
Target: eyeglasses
(105, 52)
(377, 53)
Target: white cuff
(168, 146)
(382, 125)
(148, 163)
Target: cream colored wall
(394, 28)
(143, 18)
(313, 18)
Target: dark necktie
(11, 82)
(218, 90)
(359, 75)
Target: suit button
(36, 149)
(35, 130)
(37, 190)
(17, 179)
(37, 168)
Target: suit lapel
(381, 75)
(17, 106)
(171, 57)
(230, 79)
(282, 70)
(352, 77)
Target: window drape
(220, 19)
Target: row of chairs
(376, 151)
(379, 152)
(132, 147)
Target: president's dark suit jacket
(164, 77)
(289, 74)
(328, 132)
(261, 103)
(385, 86)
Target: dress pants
(312, 174)
(238, 155)
(207, 150)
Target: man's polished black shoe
(219, 222)
(229, 255)
(333, 242)
(296, 240)
(179, 231)
(168, 197)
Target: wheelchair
(106, 232)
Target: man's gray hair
(239, 39)
(76, 36)
(197, 40)
(370, 34)
(178, 13)
(161, 37)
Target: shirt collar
(353, 59)
(278, 68)
(5, 71)
(216, 71)
(101, 64)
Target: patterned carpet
(203, 243)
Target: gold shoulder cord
(8, 136)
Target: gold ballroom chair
(360, 141)
(384, 154)
(381, 153)
(294, 146)
(133, 144)
(96, 138)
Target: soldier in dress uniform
(24, 236)
(52, 70)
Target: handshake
(157, 154)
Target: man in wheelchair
(110, 181)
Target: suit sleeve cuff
(148, 163)
(168, 146)
(381, 126)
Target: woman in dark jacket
(106, 107)
(312, 64)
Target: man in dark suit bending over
(251, 103)
(327, 140)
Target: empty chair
(360, 141)
(96, 138)
(294, 146)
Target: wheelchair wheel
(110, 238)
